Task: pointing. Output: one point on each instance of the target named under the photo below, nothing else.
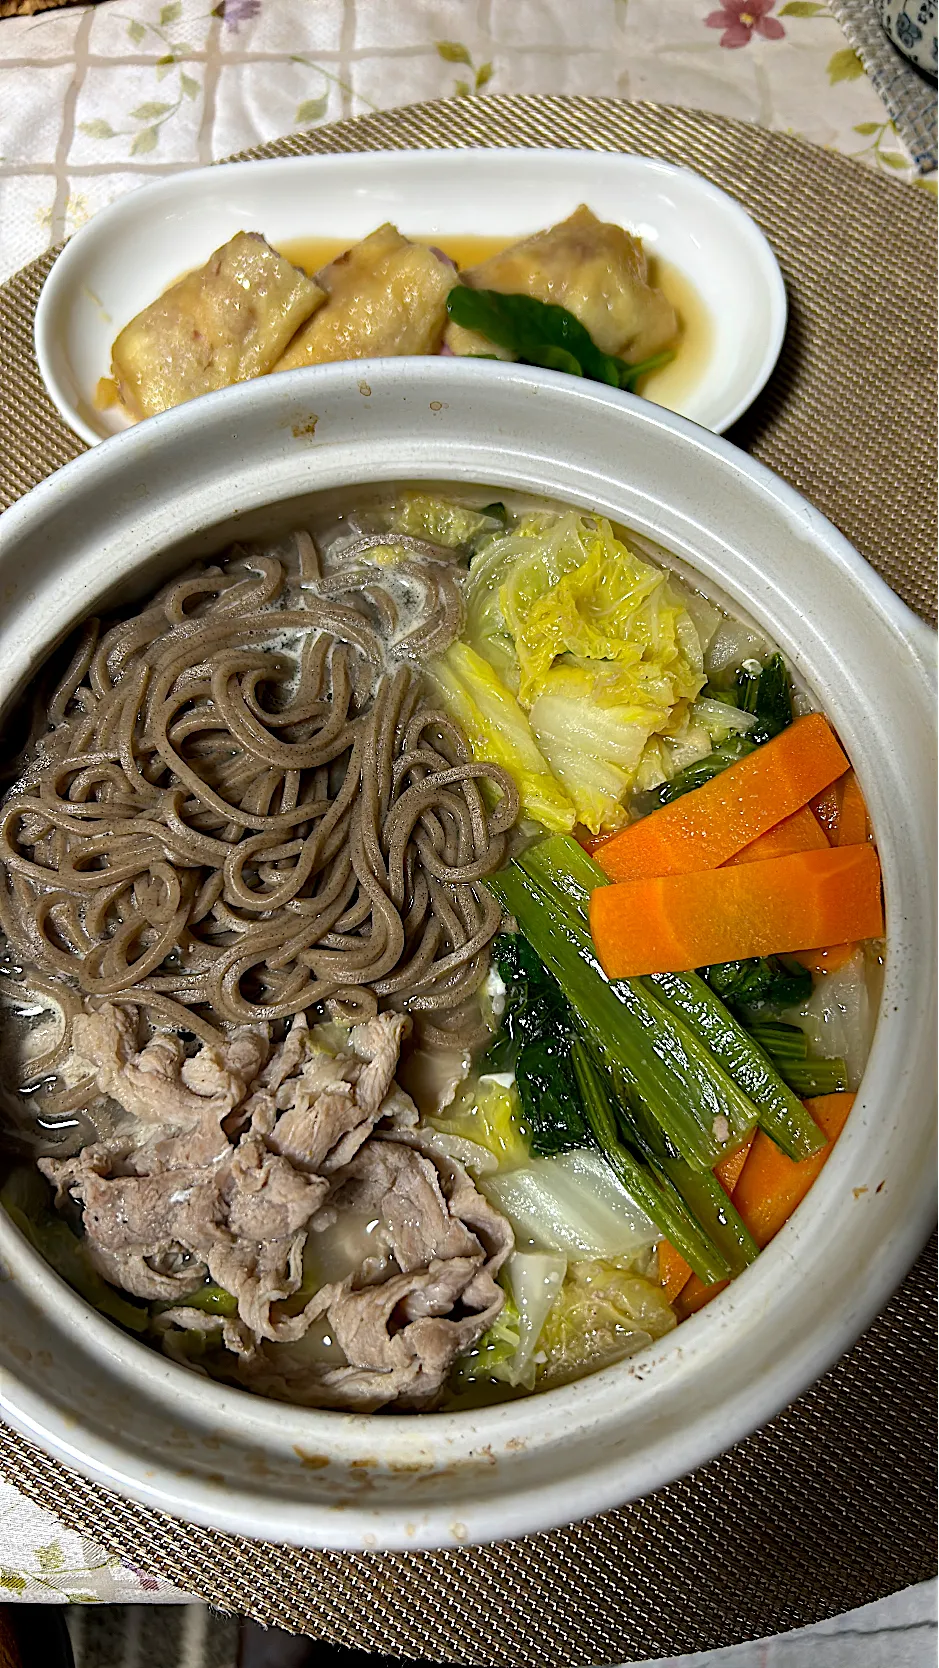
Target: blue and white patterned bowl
(912, 26)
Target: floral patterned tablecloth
(96, 100)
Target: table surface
(898, 1632)
(97, 100)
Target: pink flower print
(740, 19)
(146, 1581)
(234, 12)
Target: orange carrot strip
(676, 922)
(771, 1185)
(800, 832)
(728, 1170)
(825, 808)
(769, 1188)
(853, 826)
(694, 1295)
(842, 812)
(826, 961)
(674, 1272)
(707, 826)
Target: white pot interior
(252, 463)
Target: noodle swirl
(239, 810)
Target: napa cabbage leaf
(506, 1353)
(538, 551)
(611, 608)
(572, 1203)
(593, 733)
(493, 1356)
(499, 731)
(487, 1111)
(442, 521)
(606, 1310)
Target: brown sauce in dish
(313, 253)
(673, 383)
(668, 387)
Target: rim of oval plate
(130, 252)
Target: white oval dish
(246, 462)
(131, 251)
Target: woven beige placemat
(847, 416)
(831, 1505)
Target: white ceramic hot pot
(249, 461)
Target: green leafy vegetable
(761, 980)
(837, 1018)
(564, 867)
(781, 1113)
(788, 1048)
(639, 1041)
(534, 1042)
(717, 1215)
(532, 1001)
(750, 989)
(700, 1192)
(765, 692)
(720, 1093)
(541, 333)
(550, 1102)
(690, 735)
(695, 775)
(540, 1041)
(650, 1187)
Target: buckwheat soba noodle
(234, 833)
(322, 1111)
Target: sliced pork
(391, 1331)
(238, 1165)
